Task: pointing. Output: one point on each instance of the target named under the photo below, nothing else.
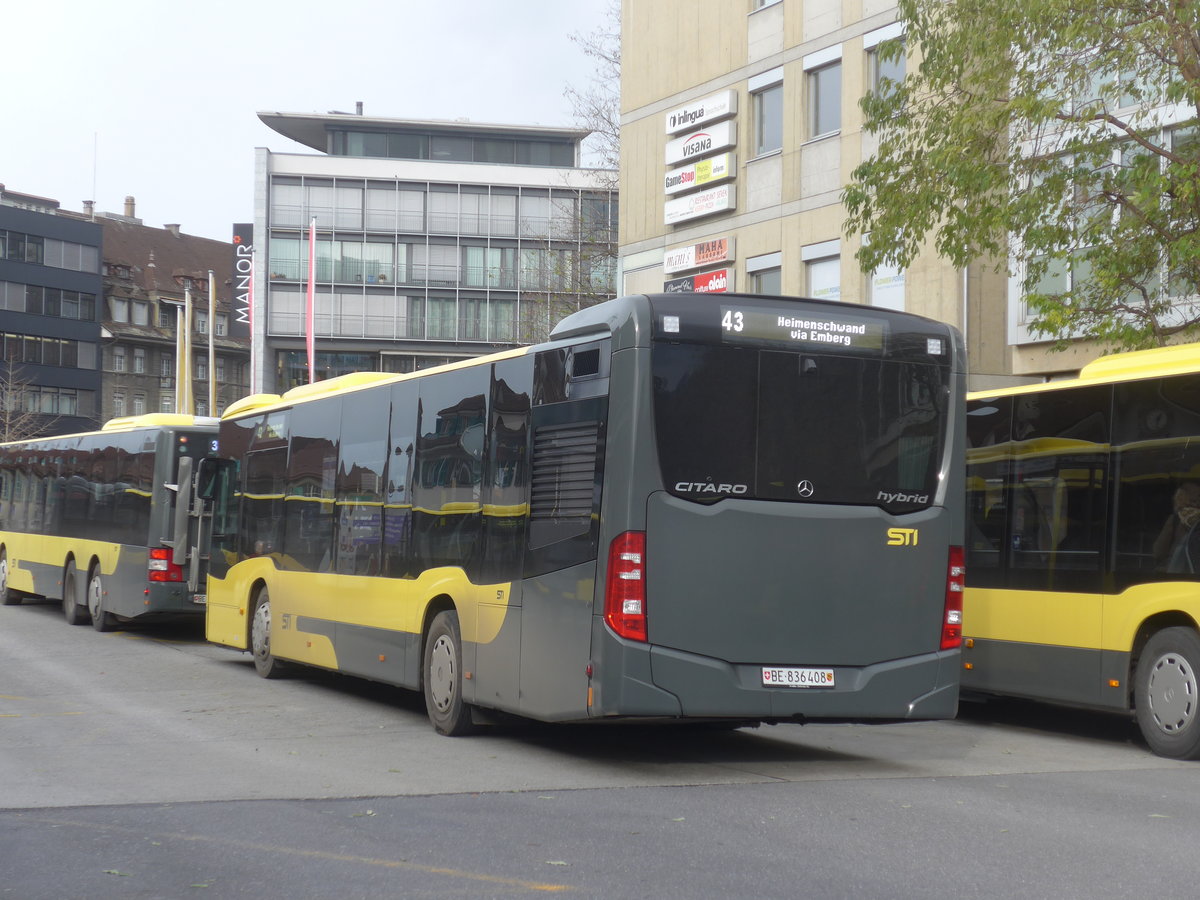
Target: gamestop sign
(704, 203)
(702, 142)
(698, 174)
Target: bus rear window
(799, 426)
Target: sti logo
(902, 537)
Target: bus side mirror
(206, 477)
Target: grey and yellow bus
(1082, 552)
(685, 506)
(91, 520)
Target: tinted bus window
(308, 506)
(1156, 423)
(789, 436)
(447, 505)
(360, 486)
(989, 455)
(397, 510)
(1058, 499)
(506, 489)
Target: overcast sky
(158, 99)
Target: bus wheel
(8, 596)
(101, 619)
(1166, 692)
(73, 611)
(260, 638)
(443, 677)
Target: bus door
(1035, 618)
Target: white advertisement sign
(701, 142)
(701, 112)
(697, 256)
(704, 203)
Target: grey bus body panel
(128, 592)
(556, 616)
(1074, 675)
(788, 584)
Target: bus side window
(506, 477)
(1157, 457)
(1057, 516)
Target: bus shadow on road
(1060, 721)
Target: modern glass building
(434, 241)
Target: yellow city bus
(682, 506)
(92, 520)
(1083, 545)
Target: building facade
(434, 241)
(150, 275)
(50, 300)
(740, 126)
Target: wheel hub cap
(1172, 693)
(441, 674)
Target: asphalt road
(147, 763)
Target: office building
(50, 291)
(435, 241)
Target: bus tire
(1167, 693)
(265, 664)
(74, 612)
(442, 677)
(8, 596)
(102, 620)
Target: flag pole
(212, 347)
(309, 314)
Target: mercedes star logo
(805, 488)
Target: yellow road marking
(322, 854)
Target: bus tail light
(952, 617)
(161, 568)
(625, 590)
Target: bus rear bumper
(921, 687)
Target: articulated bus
(92, 520)
(684, 506)
(1083, 555)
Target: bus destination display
(806, 329)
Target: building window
(120, 310)
(884, 75)
(219, 369)
(139, 361)
(766, 91)
(166, 315)
(221, 326)
(139, 404)
(118, 359)
(166, 403)
(823, 70)
(202, 368)
(823, 270)
(118, 402)
(166, 365)
(885, 285)
(201, 322)
(766, 276)
(139, 313)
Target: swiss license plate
(200, 599)
(791, 677)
